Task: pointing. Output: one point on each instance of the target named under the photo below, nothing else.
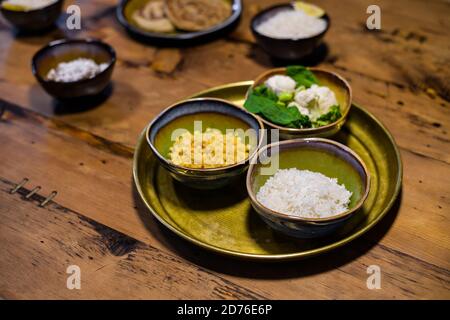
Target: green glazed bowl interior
(213, 113)
(328, 157)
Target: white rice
(304, 193)
(291, 24)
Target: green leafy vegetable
(329, 117)
(281, 104)
(263, 91)
(275, 108)
(255, 103)
(270, 110)
(278, 115)
(301, 121)
(302, 76)
(286, 96)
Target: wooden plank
(39, 244)
(31, 141)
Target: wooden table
(97, 222)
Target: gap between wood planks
(423, 156)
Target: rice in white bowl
(304, 193)
(291, 24)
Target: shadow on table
(266, 270)
(82, 104)
(311, 60)
(41, 101)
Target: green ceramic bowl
(315, 154)
(213, 113)
(336, 83)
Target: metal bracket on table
(33, 191)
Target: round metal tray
(224, 221)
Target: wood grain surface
(84, 152)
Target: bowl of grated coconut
(290, 31)
(74, 68)
(307, 188)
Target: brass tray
(224, 221)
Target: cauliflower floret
(279, 84)
(318, 100)
(303, 110)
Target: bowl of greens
(300, 102)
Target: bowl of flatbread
(178, 22)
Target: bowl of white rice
(289, 32)
(307, 188)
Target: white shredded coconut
(78, 69)
(29, 4)
(304, 193)
(291, 24)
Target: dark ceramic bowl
(335, 82)
(214, 113)
(66, 50)
(318, 155)
(33, 20)
(179, 38)
(285, 49)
